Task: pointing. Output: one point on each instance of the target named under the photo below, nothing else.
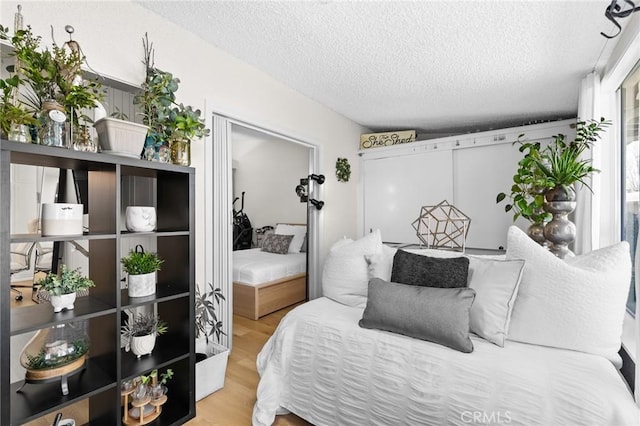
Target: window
(630, 98)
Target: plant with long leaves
(207, 323)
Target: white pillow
(298, 232)
(345, 276)
(496, 284)
(381, 263)
(577, 304)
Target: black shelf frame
(107, 364)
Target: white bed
(266, 282)
(525, 340)
(323, 367)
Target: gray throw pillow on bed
(276, 243)
(439, 315)
(415, 269)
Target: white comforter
(255, 266)
(322, 366)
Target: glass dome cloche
(55, 353)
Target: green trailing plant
(207, 323)
(343, 170)
(69, 281)
(138, 263)
(558, 164)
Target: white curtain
(587, 213)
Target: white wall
(268, 170)
(110, 34)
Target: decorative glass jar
(55, 352)
(53, 120)
(181, 151)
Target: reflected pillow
(439, 315)
(298, 232)
(276, 243)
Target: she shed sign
(374, 140)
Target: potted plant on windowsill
(140, 332)
(63, 288)
(142, 268)
(211, 357)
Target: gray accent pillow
(276, 243)
(416, 269)
(439, 315)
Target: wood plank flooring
(233, 404)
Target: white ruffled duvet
(322, 366)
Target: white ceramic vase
(142, 285)
(143, 345)
(140, 218)
(64, 301)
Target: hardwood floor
(233, 404)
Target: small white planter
(64, 301)
(143, 345)
(121, 137)
(140, 218)
(210, 372)
(61, 219)
(142, 285)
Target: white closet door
(480, 174)
(395, 189)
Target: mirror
(31, 186)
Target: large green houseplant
(548, 174)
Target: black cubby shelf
(35, 317)
(163, 293)
(112, 183)
(37, 399)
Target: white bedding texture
(322, 366)
(254, 266)
(559, 367)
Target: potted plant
(63, 288)
(172, 126)
(141, 267)
(52, 85)
(527, 192)
(211, 357)
(544, 183)
(140, 332)
(14, 116)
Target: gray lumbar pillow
(415, 269)
(439, 315)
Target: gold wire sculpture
(442, 225)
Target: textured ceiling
(438, 67)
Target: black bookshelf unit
(104, 308)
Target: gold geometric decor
(442, 225)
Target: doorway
(219, 208)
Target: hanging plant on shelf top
(343, 170)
